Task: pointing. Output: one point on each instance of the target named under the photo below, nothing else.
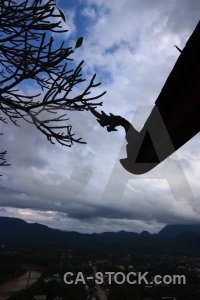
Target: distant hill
(170, 231)
(17, 232)
(180, 239)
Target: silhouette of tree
(28, 55)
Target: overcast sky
(130, 45)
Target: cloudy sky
(130, 45)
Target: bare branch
(28, 54)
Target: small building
(39, 297)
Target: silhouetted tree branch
(28, 55)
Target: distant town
(111, 272)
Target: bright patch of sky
(130, 45)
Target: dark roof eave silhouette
(175, 118)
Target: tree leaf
(79, 42)
(61, 14)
